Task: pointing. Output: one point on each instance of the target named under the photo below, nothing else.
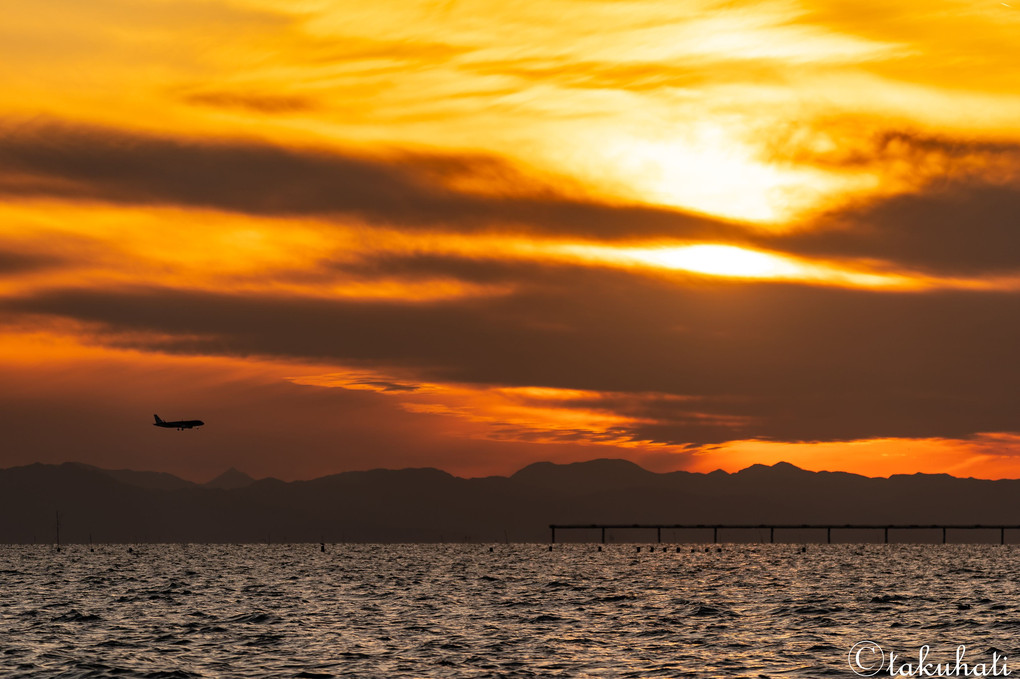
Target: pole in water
(58, 530)
(322, 546)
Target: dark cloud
(960, 221)
(664, 418)
(393, 54)
(409, 190)
(259, 102)
(782, 361)
(480, 270)
(635, 76)
(13, 262)
(383, 385)
(962, 229)
(852, 143)
(964, 224)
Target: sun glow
(711, 168)
(731, 261)
(720, 260)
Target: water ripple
(518, 611)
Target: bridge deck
(772, 527)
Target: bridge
(772, 528)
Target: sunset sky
(475, 235)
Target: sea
(507, 610)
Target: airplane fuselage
(177, 424)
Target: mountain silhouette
(594, 474)
(431, 505)
(229, 480)
(150, 480)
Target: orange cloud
(786, 229)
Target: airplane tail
(158, 421)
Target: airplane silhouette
(179, 424)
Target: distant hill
(229, 480)
(431, 505)
(150, 480)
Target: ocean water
(517, 611)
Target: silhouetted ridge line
(430, 505)
(230, 479)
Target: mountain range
(429, 505)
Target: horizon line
(780, 464)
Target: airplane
(179, 424)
